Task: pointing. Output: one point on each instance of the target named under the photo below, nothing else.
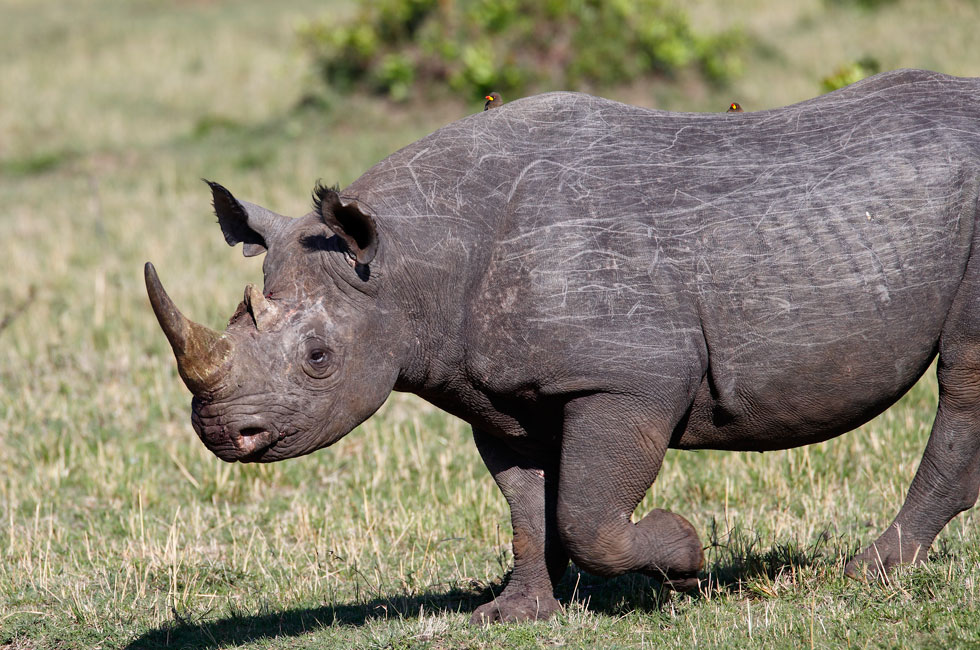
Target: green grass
(118, 528)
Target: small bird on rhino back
(734, 108)
(493, 101)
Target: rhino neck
(430, 291)
(437, 233)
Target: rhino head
(299, 364)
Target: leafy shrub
(394, 47)
(851, 72)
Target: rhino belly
(781, 396)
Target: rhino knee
(603, 549)
(662, 543)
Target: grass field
(119, 529)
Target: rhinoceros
(589, 283)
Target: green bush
(849, 73)
(397, 47)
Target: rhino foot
(889, 550)
(678, 580)
(512, 608)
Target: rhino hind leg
(540, 559)
(948, 478)
(612, 450)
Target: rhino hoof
(513, 609)
(680, 582)
(876, 562)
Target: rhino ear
(244, 222)
(348, 221)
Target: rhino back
(591, 242)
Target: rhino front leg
(948, 478)
(612, 449)
(540, 559)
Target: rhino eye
(318, 362)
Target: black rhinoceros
(589, 283)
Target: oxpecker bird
(493, 101)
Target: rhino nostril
(253, 440)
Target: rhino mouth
(243, 439)
(254, 442)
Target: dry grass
(118, 528)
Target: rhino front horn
(201, 352)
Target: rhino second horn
(201, 352)
(262, 310)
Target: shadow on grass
(604, 596)
(743, 561)
(237, 630)
(739, 565)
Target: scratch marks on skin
(415, 178)
(623, 224)
(520, 177)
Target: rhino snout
(244, 439)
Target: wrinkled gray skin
(589, 283)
